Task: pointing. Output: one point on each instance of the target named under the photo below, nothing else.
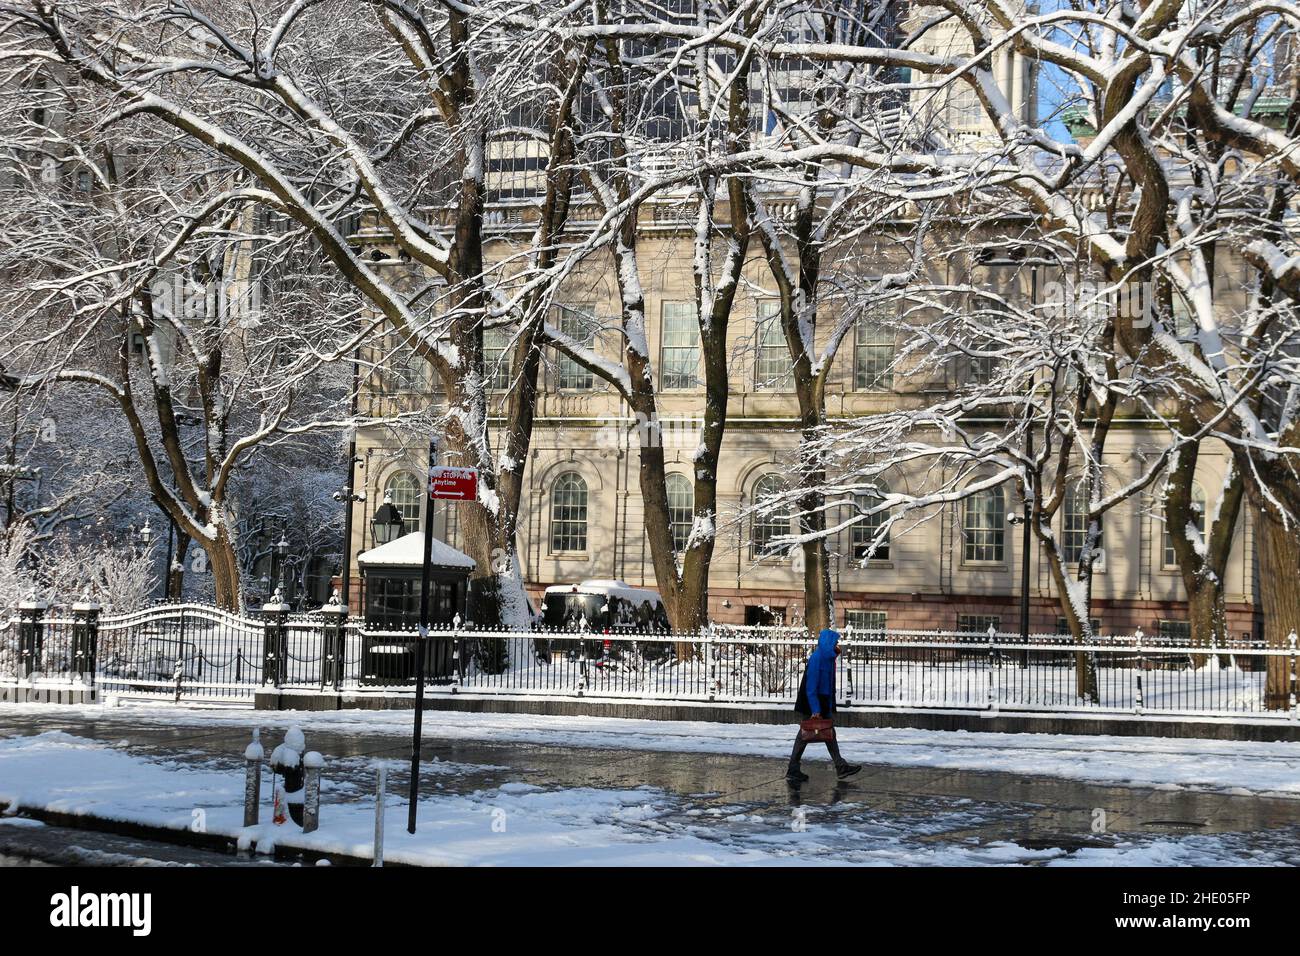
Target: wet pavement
(920, 806)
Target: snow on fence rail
(195, 651)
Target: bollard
(381, 784)
(253, 778)
(286, 760)
(312, 764)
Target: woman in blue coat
(817, 699)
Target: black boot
(846, 770)
(794, 774)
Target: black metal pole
(270, 586)
(421, 642)
(167, 571)
(351, 500)
(1029, 503)
(1024, 556)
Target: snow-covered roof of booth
(408, 552)
(606, 587)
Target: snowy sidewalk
(506, 789)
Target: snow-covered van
(606, 606)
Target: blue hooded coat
(817, 689)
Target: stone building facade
(956, 567)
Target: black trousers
(800, 745)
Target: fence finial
(335, 599)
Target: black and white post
(421, 644)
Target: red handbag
(816, 730)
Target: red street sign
(447, 483)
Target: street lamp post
(349, 494)
(351, 497)
(1029, 500)
(278, 552)
(1024, 520)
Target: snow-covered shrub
(117, 578)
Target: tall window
(399, 369)
(580, 325)
(680, 346)
(772, 366)
(404, 488)
(984, 526)
(569, 513)
(681, 509)
(1198, 522)
(865, 532)
(1074, 522)
(769, 523)
(873, 357)
(964, 109)
(496, 361)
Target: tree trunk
(225, 569)
(1085, 662)
(819, 611)
(1207, 616)
(1278, 547)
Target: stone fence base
(39, 694)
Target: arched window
(1198, 521)
(405, 490)
(569, 513)
(681, 509)
(769, 523)
(1074, 522)
(865, 532)
(984, 526)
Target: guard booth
(391, 588)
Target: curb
(212, 842)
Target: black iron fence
(195, 651)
